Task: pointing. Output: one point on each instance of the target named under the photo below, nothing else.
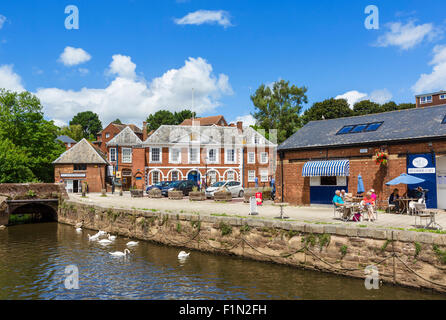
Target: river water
(33, 258)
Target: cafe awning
(326, 168)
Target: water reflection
(33, 259)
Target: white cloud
(379, 96)
(10, 80)
(74, 56)
(2, 20)
(248, 120)
(407, 36)
(122, 66)
(206, 16)
(132, 99)
(436, 80)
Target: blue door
(194, 176)
(423, 166)
(325, 194)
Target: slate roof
(65, 139)
(207, 135)
(126, 137)
(82, 152)
(121, 127)
(417, 123)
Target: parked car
(159, 185)
(184, 185)
(234, 187)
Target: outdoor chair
(338, 212)
(418, 212)
(390, 206)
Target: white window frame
(127, 159)
(197, 153)
(107, 135)
(261, 157)
(253, 159)
(233, 175)
(442, 96)
(213, 176)
(178, 175)
(171, 153)
(112, 153)
(160, 155)
(263, 178)
(251, 175)
(426, 99)
(216, 155)
(159, 177)
(226, 155)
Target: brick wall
(94, 175)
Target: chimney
(240, 126)
(144, 131)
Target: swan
(105, 241)
(120, 254)
(183, 255)
(78, 229)
(93, 238)
(132, 243)
(111, 238)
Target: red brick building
(111, 131)
(81, 163)
(330, 154)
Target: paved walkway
(238, 208)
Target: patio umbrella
(360, 185)
(405, 179)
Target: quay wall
(406, 258)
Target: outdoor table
(357, 199)
(349, 209)
(405, 204)
(281, 204)
(430, 213)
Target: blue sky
(132, 57)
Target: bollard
(103, 192)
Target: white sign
(420, 162)
(72, 175)
(420, 170)
(363, 150)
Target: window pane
(328, 181)
(359, 128)
(155, 154)
(345, 129)
(373, 126)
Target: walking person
(273, 188)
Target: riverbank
(407, 258)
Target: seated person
(369, 204)
(373, 194)
(343, 195)
(337, 199)
(393, 199)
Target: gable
(81, 152)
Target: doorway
(194, 176)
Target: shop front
(424, 166)
(325, 178)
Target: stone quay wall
(406, 258)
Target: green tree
(183, 115)
(155, 120)
(403, 106)
(74, 132)
(117, 121)
(327, 109)
(366, 107)
(14, 164)
(90, 123)
(279, 108)
(23, 124)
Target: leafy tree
(117, 121)
(403, 106)
(366, 107)
(327, 109)
(183, 115)
(23, 124)
(74, 132)
(90, 123)
(14, 164)
(279, 108)
(155, 120)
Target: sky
(127, 59)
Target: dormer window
(442, 96)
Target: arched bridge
(39, 199)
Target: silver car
(234, 187)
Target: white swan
(93, 238)
(111, 238)
(183, 255)
(78, 229)
(105, 241)
(132, 243)
(120, 254)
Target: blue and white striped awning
(326, 168)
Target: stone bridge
(39, 198)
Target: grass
(343, 251)
(440, 253)
(225, 228)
